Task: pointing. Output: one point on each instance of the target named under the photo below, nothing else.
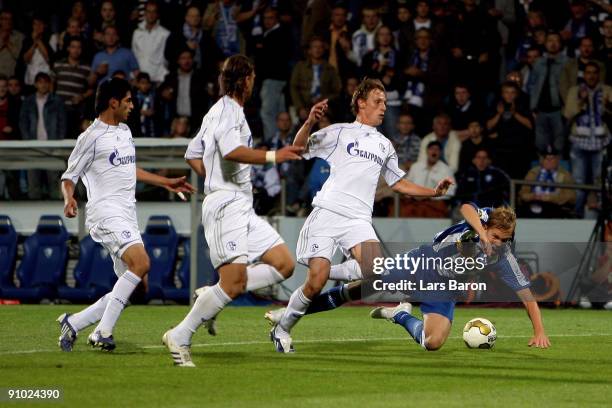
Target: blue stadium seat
(181, 295)
(43, 266)
(161, 243)
(94, 274)
(8, 252)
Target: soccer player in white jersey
(222, 152)
(104, 158)
(342, 216)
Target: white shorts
(234, 233)
(116, 234)
(324, 231)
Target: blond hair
(503, 218)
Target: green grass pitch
(343, 359)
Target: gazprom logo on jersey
(116, 160)
(354, 150)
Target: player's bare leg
(138, 263)
(232, 282)
(436, 329)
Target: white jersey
(357, 154)
(105, 159)
(224, 128)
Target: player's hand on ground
(289, 153)
(179, 185)
(317, 111)
(70, 208)
(540, 341)
(443, 186)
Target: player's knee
(285, 267)
(236, 287)
(141, 266)
(435, 342)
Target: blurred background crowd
(483, 91)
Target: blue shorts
(446, 309)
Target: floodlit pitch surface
(343, 359)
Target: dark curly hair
(232, 79)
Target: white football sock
(298, 303)
(89, 315)
(346, 271)
(206, 306)
(262, 275)
(119, 297)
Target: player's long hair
(503, 218)
(363, 90)
(234, 73)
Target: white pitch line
(349, 340)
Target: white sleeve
(195, 149)
(391, 170)
(80, 159)
(322, 143)
(227, 134)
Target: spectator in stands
(114, 57)
(189, 89)
(60, 41)
(42, 117)
(16, 97)
(148, 44)
(477, 141)
(425, 78)
(9, 115)
(573, 71)
(36, 55)
(222, 18)
(533, 54)
(428, 173)
(11, 43)
(463, 111)
(314, 79)
(146, 99)
(339, 106)
(206, 54)
(180, 128)
(273, 54)
(543, 201)
(340, 43)
(511, 128)
(406, 142)
(587, 107)
(579, 26)
(107, 18)
(604, 54)
(282, 134)
(404, 32)
(450, 145)
(363, 38)
(482, 183)
(545, 95)
(165, 109)
(74, 84)
(315, 15)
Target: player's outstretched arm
(243, 154)
(175, 185)
(539, 339)
(409, 188)
(470, 215)
(70, 204)
(301, 137)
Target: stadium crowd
(483, 91)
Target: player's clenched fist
(70, 208)
(289, 153)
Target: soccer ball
(479, 333)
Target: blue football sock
(412, 325)
(328, 300)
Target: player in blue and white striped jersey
(485, 233)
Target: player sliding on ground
(487, 232)
(342, 216)
(104, 158)
(222, 152)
